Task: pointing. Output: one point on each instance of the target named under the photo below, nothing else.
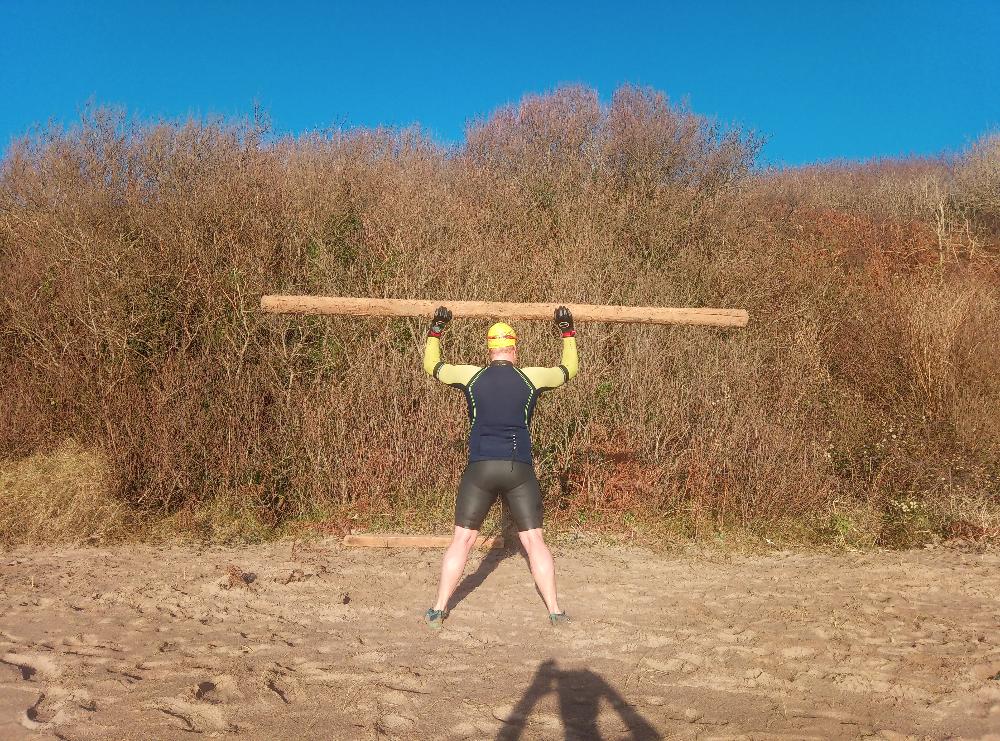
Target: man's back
(501, 401)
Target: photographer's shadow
(579, 693)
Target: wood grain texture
(348, 306)
(413, 541)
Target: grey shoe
(558, 618)
(435, 618)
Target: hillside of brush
(142, 388)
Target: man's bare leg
(543, 568)
(453, 564)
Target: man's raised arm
(550, 378)
(453, 375)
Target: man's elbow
(572, 366)
(568, 371)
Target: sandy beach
(316, 641)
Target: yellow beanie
(501, 335)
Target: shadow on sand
(579, 693)
(493, 558)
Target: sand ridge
(314, 641)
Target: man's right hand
(441, 318)
(564, 320)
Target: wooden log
(414, 541)
(494, 309)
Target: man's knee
(465, 537)
(532, 539)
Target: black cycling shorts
(484, 481)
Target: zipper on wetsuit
(513, 450)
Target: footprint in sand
(56, 707)
(218, 690)
(464, 730)
(394, 724)
(798, 652)
(369, 658)
(313, 672)
(195, 717)
(33, 666)
(284, 688)
(664, 667)
(46, 710)
(280, 683)
(156, 669)
(395, 698)
(90, 646)
(659, 641)
(987, 671)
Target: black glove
(441, 318)
(564, 320)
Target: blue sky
(820, 80)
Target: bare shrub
(977, 179)
(132, 258)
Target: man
(501, 399)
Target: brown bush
(59, 496)
(977, 181)
(132, 258)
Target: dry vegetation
(862, 405)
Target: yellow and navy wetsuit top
(501, 399)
